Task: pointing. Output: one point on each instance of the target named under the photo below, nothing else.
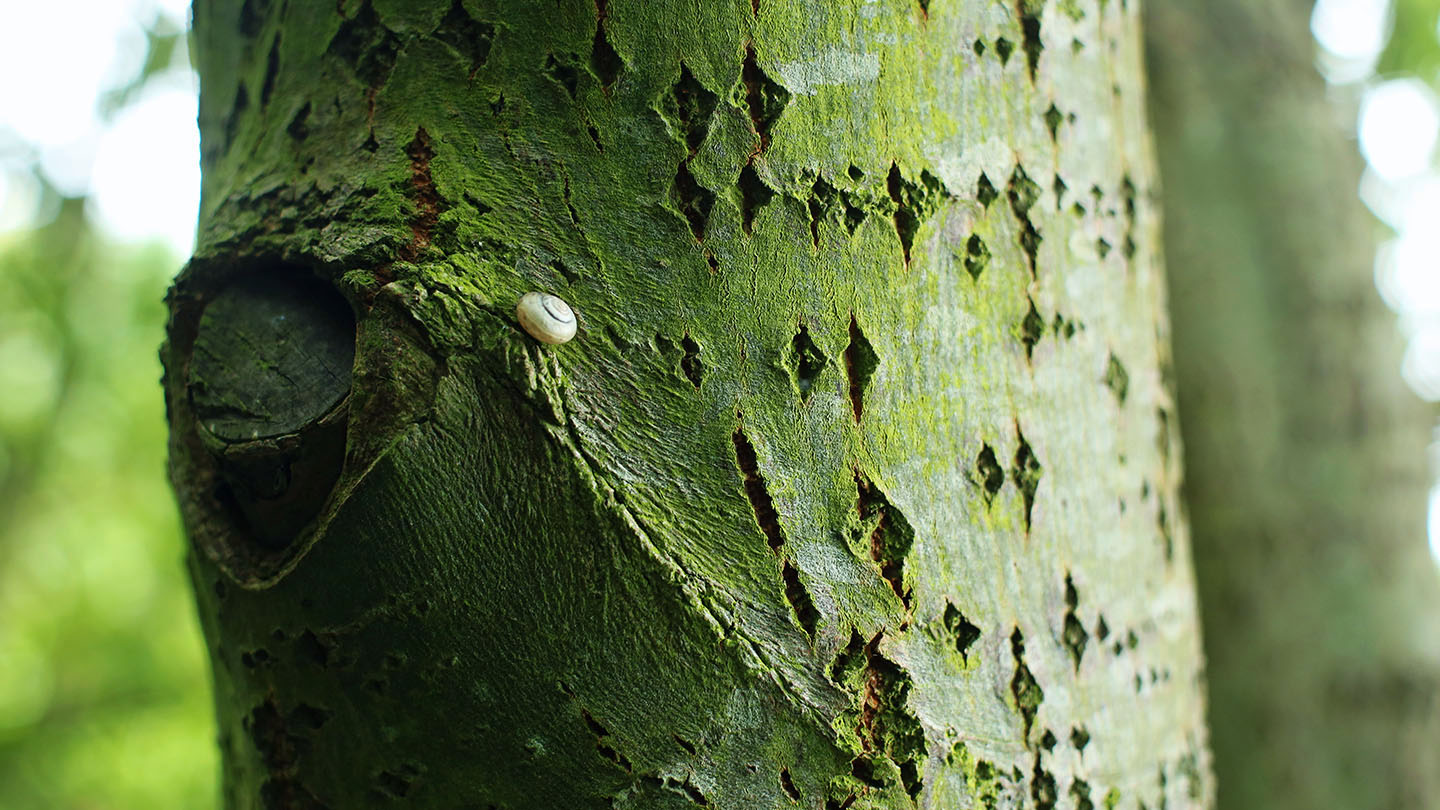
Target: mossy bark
(857, 488)
(1305, 455)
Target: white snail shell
(548, 319)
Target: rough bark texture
(857, 489)
(1305, 462)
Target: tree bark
(1305, 456)
(856, 489)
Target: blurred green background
(104, 690)
(104, 687)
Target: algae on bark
(835, 500)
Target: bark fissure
(890, 535)
(860, 364)
(760, 501)
(424, 194)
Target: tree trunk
(856, 489)
(1305, 464)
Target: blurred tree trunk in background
(855, 490)
(1305, 455)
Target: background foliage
(104, 696)
(104, 686)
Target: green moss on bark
(555, 577)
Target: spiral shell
(547, 318)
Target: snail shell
(547, 318)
